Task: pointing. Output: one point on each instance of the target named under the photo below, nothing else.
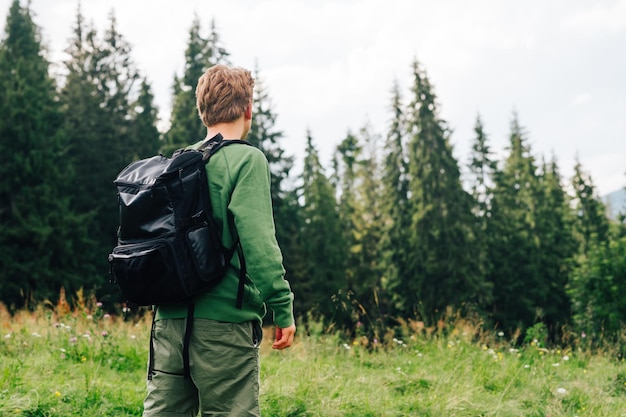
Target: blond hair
(223, 94)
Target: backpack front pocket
(146, 274)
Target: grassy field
(89, 363)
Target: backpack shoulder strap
(217, 142)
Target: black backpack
(169, 246)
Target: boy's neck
(232, 130)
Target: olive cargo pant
(224, 363)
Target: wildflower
(565, 358)
(555, 364)
(375, 341)
(98, 304)
(105, 334)
(132, 336)
(526, 366)
(89, 317)
(500, 334)
(561, 391)
(83, 359)
(56, 325)
(57, 394)
(106, 316)
(35, 334)
(583, 335)
(513, 350)
(73, 340)
(346, 346)
(7, 336)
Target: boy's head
(223, 94)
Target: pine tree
(201, 54)
(595, 281)
(597, 289)
(514, 246)
(556, 248)
(323, 247)
(482, 168)
(395, 207)
(591, 225)
(442, 263)
(98, 96)
(360, 206)
(42, 238)
(144, 116)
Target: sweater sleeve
(251, 207)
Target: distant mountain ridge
(615, 202)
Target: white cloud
(329, 65)
(581, 98)
(599, 19)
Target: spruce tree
(98, 96)
(324, 249)
(514, 246)
(42, 238)
(591, 225)
(594, 283)
(442, 261)
(395, 207)
(360, 206)
(482, 168)
(557, 247)
(144, 115)
(201, 53)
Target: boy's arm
(251, 206)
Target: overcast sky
(329, 65)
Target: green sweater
(239, 185)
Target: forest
(393, 229)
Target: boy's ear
(248, 113)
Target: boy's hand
(284, 337)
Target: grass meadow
(57, 362)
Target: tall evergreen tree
(595, 281)
(442, 260)
(597, 289)
(144, 115)
(360, 207)
(395, 206)
(201, 54)
(514, 246)
(556, 247)
(482, 168)
(98, 95)
(323, 247)
(591, 225)
(41, 236)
